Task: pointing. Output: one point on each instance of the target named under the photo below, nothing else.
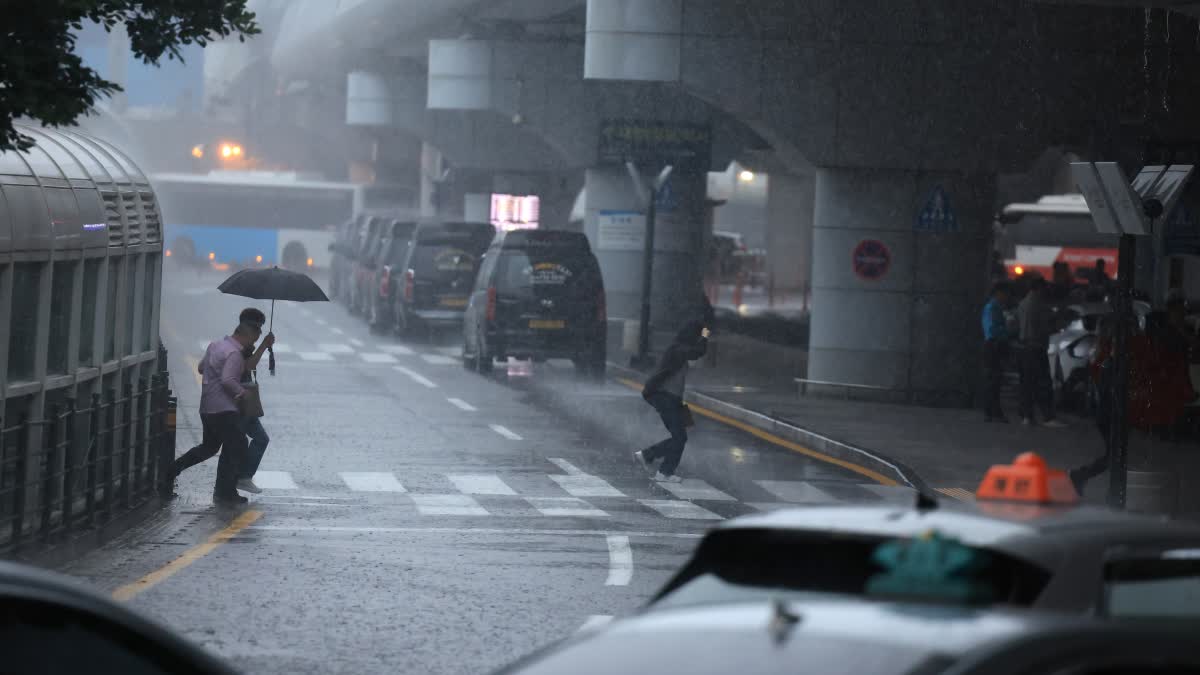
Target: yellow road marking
(781, 442)
(128, 591)
(193, 365)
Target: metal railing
(81, 466)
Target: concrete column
(789, 231)
(612, 213)
(893, 305)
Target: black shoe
(229, 500)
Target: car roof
(1030, 531)
(699, 639)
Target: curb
(869, 459)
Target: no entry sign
(871, 259)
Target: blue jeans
(252, 427)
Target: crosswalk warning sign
(937, 216)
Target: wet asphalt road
(419, 518)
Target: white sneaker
(640, 458)
(247, 485)
(663, 478)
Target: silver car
(1072, 348)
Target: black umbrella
(273, 284)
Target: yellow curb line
(128, 591)
(781, 442)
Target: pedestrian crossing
(576, 494)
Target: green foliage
(42, 79)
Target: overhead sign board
(684, 145)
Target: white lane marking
(416, 377)
(566, 466)
(586, 486)
(377, 358)
(594, 622)
(672, 508)
(480, 484)
(695, 489)
(335, 348)
(462, 405)
(620, 561)
(371, 481)
(321, 321)
(281, 348)
(438, 360)
(352, 529)
(395, 349)
(315, 356)
(356, 342)
(506, 432)
(448, 505)
(796, 491)
(567, 507)
(275, 480)
(337, 331)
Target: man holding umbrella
(221, 391)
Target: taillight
(601, 307)
(409, 282)
(385, 282)
(491, 303)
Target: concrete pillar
(614, 221)
(894, 305)
(789, 231)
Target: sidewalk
(931, 448)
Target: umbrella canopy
(273, 284)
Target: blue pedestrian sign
(666, 201)
(937, 216)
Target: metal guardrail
(80, 467)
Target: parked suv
(344, 249)
(389, 273)
(539, 296)
(439, 269)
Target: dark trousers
(222, 433)
(1035, 383)
(995, 354)
(670, 409)
(252, 427)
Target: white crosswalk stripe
(670, 508)
(281, 348)
(416, 377)
(357, 343)
(371, 481)
(337, 331)
(439, 360)
(480, 484)
(315, 356)
(395, 349)
(462, 405)
(584, 485)
(694, 489)
(275, 480)
(335, 348)
(568, 507)
(448, 505)
(506, 432)
(796, 491)
(377, 358)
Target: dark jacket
(688, 346)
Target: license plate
(454, 302)
(556, 324)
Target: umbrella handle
(271, 359)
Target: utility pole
(642, 359)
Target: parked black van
(539, 295)
(438, 272)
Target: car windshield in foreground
(743, 565)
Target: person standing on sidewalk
(221, 390)
(252, 426)
(664, 391)
(995, 351)
(1035, 320)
